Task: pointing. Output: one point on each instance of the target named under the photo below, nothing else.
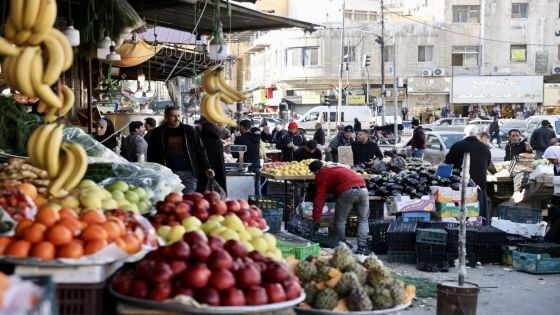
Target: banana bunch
(30, 21)
(216, 91)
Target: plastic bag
(214, 186)
(397, 164)
(96, 151)
(379, 166)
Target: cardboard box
(446, 194)
(305, 209)
(406, 204)
(452, 210)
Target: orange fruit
(94, 246)
(84, 225)
(34, 233)
(92, 216)
(4, 281)
(72, 250)
(21, 226)
(19, 248)
(48, 216)
(40, 201)
(68, 213)
(4, 242)
(78, 241)
(43, 250)
(59, 235)
(72, 224)
(28, 189)
(112, 228)
(132, 244)
(120, 243)
(94, 232)
(120, 223)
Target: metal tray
(176, 307)
(312, 311)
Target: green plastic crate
(431, 236)
(402, 257)
(299, 251)
(535, 263)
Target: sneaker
(363, 251)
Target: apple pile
(176, 207)
(137, 197)
(211, 272)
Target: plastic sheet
(96, 151)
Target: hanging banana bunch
(35, 55)
(216, 90)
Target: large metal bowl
(313, 311)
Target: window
(360, 15)
(466, 14)
(332, 116)
(351, 52)
(388, 52)
(302, 56)
(425, 53)
(314, 116)
(465, 56)
(433, 142)
(519, 10)
(518, 53)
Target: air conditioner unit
(556, 69)
(426, 72)
(438, 72)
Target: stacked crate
(401, 239)
(378, 230)
(484, 244)
(431, 246)
(271, 209)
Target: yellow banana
(44, 23)
(226, 98)
(30, 13)
(209, 82)
(55, 55)
(50, 115)
(67, 100)
(80, 166)
(23, 73)
(32, 145)
(203, 106)
(41, 145)
(67, 167)
(207, 105)
(10, 31)
(6, 70)
(7, 48)
(22, 37)
(224, 87)
(65, 44)
(52, 153)
(216, 107)
(42, 107)
(16, 13)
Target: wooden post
(465, 178)
(90, 98)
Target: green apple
(217, 218)
(176, 234)
(244, 236)
(277, 254)
(259, 244)
(122, 202)
(70, 201)
(163, 231)
(119, 185)
(209, 226)
(91, 200)
(109, 204)
(270, 240)
(117, 194)
(87, 183)
(255, 232)
(191, 223)
(229, 234)
(140, 192)
(54, 205)
(234, 222)
(131, 196)
(217, 231)
(248, 245)
(144, 206)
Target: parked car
(447, 124)
(534, 122)
(440, 142)
(482, 124)
(508, 124)
(323, 114)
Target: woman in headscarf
(104, 133)
(210, 136)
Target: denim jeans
(418, 153)
(188, 179)
(357, 199)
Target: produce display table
(125, 309)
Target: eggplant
(455, 186)
(455, 178)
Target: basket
(46, 304)
(431, 236)
(82, 299)
(376, 209)
(484, 253)
(485, 235)
(299, 251)
(378, 231)
(273, 218)
(401, 236)
(266, 202)
(415, 216)
(514, 213)
(430, 253)
(452, 234)
(540, 248)
(404, 257)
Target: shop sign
(311, 99)
(497, 89)
(541, 61)
(551, 95)
(356, 99)
(259, 96)
(429, 85)
(427, 100)
(296, 99)
(389, 93)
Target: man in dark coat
(541, 137)
(309, 151)
(516, 145)
(149, 124)
(319, 135)
(494, 131)
(210, 136)
(363, 149)
(178, 147)
(480, 160)
(418, 140)
(134, 146)
(291, 142)
(253, 142)
(344, 138)
(357, 125)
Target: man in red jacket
(350, 192)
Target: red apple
(201, 213)
(159, 205)
(275, 292)
(248, 276)
(178, 266)
(196, 277)
(160, 218)
(233, 205)
(202, 204)
(173, 197)
(254, 214)
(172, 222)
(183, 291)
(236, 249)
(160, 292)
(144, 267)
(161, 273)
(256, 296)
(200, 251)
(180, 250)
(261, 223)
(182, 208)
(194, 237)
(233, 297)
(222, 279)
(219, 259)
(208, 296)
(215, 242)
(168, 207)
(218, 207)
(257, 256)
(293, 290)
(194, 196)
(244, 215)
(212, 196)
(276, 272)
(121, 283)
(182, 216)
(243, 204)
(139, 289)
(261, 266)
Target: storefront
(551, 103)
(428, 97)
(508, 96)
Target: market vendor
(291, 142)
(350, 192)
(179, 147)
(552, 153)
(516, 145)
(252, 140)
(364, 149)
(344, 138)
(309, 151)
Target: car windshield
(450, 139)
(514, 124)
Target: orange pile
(62, 234)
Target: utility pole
(395, 90)
(339, 104)
(382, 43)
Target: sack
(214, 186)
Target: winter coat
(319, 136)
(108, 139)
(210, 137)
(338, 141)
(513, 150)
(357, 125)
(133, 146)
(302, 154)
(364, 152)
(253, 143)
(480, 159)
(287, 153)
(418, 140)
(494, 128)
(540, 139)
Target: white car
(440, 142)
(447, 124)
(482, 124)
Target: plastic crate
(276, 188)
(273, 218)
(404, 257)
(535, 263)
(266, 202)
(376, 209)
(507, 254)
(520, 180)
(484, 253)
(83, 299)
(378, 231)
(415, 216)
(518, 214)
(514, 240)
(300, 226)
(452, 234)
(46, 304)
(503, 189)
(401, 236)
(325, 240)
(299, 251)
(436, 225)
(485, 235)
(431, 236)
(430, 253)
(540, 248)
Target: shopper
(480, 160)
(418, 140)
(552, 153)
(291, 142)
(363, 149)
(210, 137)
(225, 133)
(319, 134)
(134, 146)
(252, 141)
(484, 138)
(516, 145)
(350, 192)
(494, 130)
(178, 147)
(357, 124)
(309, 151)
(104, 133)
(149, 124)
(266, 136)
(540, 139)
(278, 133)
(344, 138)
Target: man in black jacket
(253, 142)
(541, 137)
(363, 149)
(480, 160)
(309, 151)
(319, 135)
(290, 142)
(418, 140)
(494, 131)
(178, 147)
(516, 145)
